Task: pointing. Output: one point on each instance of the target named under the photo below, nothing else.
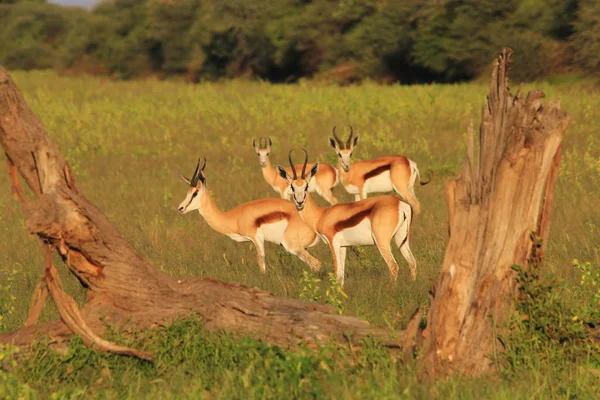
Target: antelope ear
(270, 142)
(201, 178)
(283, 173)
(186, 180)
(313, 171)
(253, 142)
(333, 143)
(355, 141)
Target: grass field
(127, 140)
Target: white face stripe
(299, 186)
(299, 189)
(192, 200)
(263, 156)
(345, 159)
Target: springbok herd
(297, 226)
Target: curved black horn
(292, 164)
(350, 137)
(203, 163)
(194, 179)
(305, 162)
(337, 139)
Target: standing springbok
(382, 174)
(323, 183)
(373, 221)
(271, 220)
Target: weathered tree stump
(122, 289)
(499, 213)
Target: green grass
(126, 141)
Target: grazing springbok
(383, 174)
(323, 183)
(372, 221)
(271, 220)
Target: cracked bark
(499, 213)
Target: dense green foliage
(284, 40)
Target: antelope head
(196, 189)
(299, 185)
(344, 151)
(262, 150)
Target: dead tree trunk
(123, 289)
(499, 213)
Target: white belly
(379, 183)
(273, 232)
(238, 238)
(358, 235)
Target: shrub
(545, 329)
(586, 39)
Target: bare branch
(40, 294)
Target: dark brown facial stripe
(377, 171)
(191, 199)
(353, 220)
(271, 218)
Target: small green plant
(7, 300)
(590, 279)
(334, 294)
(310, 287)
(311, 290)
(588, 290)
(10, 386)
(544, 329)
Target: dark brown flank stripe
(271, 218)
(377, 171)
(353, 220)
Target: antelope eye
(195, 194)
(339, 155)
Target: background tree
(586, 37)
(284, 40)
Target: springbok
(272, 220)
(372, 221)
(323, 183)
(383, 174)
